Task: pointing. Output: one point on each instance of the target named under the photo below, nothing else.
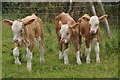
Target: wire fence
(48, 11)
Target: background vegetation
(53, 67)
(48, 10)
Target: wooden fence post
(93, 8)
(106, 21)
(70, 8)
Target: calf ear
(102, 18)
(79, 20)
(57, 18)
(75, 25)
(29, 22)
(86, 17)
(8, 22)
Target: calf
(67, 33)
(90, 30)
(26, 32)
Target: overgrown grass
(53, 67)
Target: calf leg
(29, 56)
(96, 47)
(16, 55)
(78, 58)
(80, 41)
(41, 48)
(60, 48)
(77, 53)
(66, 50)
(88, 50)
(80, 45)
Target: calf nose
(15, 40)
(92, 31)
(63, 41)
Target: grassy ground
(53, 67)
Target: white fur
(66, 56)
(96, 45)
(94, 40)
(17, 37)
(60, 55)
(63, 32)
(97, 50)
(79, 46)
(93, 21)
(29, 58)
(16, 56)
(16, 28)
(88, 50)
(41, 52)
(78, 58)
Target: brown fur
(85, 29)
(33, 30)
(75, 38)
(74, 31)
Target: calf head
(94, 22)
(17, 27)
(65, 32)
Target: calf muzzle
(15, 40)
(63, 41)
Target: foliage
(48, 10)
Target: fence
(48, 10)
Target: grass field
(53, 67)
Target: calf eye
(67, 34)
(96, 24)
(22, 30)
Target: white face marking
(65, 35)
(94, 21)
(16, 28)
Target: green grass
(53, 67)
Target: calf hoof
(17, 62)
(29, 68)
(87, 61)
(60, 55)
(98, 60)
(79, 62)
(42, 60)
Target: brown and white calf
(26, 32)
(90, 30)
(67, 33)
